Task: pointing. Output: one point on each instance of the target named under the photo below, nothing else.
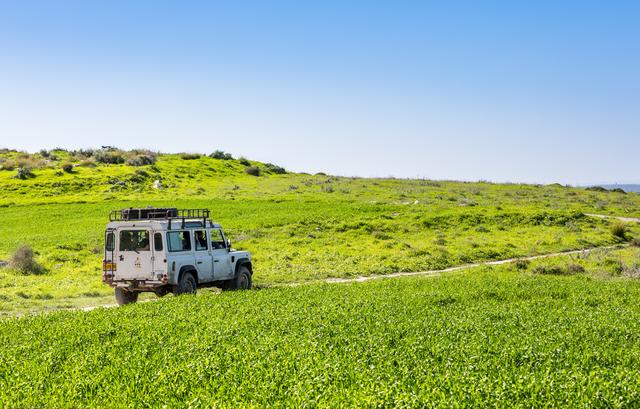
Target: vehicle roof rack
(165, 213)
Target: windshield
(134, 240)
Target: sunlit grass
(296, 228)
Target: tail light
(108, 266)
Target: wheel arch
(244, 262)
(187, 269)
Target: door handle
(199, 262)
(215, 261)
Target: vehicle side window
(110, 243)
(179, 240)
(134, 240)
(157, 242)
(217, 240)
(201, 240)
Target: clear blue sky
(534, 91)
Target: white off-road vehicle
(169, 250)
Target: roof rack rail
(151, 213)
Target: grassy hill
(299, 227)
(554, 332)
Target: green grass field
(299, 227)
(499, 337)
(562, 331)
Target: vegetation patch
(23, 260)
(488, 337)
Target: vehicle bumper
(136, 284)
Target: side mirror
(228, 244)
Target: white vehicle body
(154, 253)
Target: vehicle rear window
(109, 242)
(134, 240)
(157, 242)
(179, 241)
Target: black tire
(161, 292)
(125, 296)
(187, 285)
(242, 280)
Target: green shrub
(67, 167)
(252, 170)
(221, 155)
(23, 173)
(109, 157)
(521, 264)
(619, 230)
(575, 269)
(614, 266)
(244, 161)
(141, 160)
(551, 270)
(190, 156)
(278, 170)
(23, 261)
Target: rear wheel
(162, 291)
(242, 280)
(125, 296)
(187, 285)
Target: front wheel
(125, 296)
(242, 280)
(186, 285)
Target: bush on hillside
(244, 161)
(7, 164)
(67, 167)
(190, 156)
(551, 270)
(278, 170)
(87, 163)
(636, 242)
(252, 170)
(23, 261)
(109, 157)
(619, 230)
(141, 160)
(221, 155)
(23, 173)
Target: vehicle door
(204, 259)
(180, 249)
(221, 258)
(134, 259)
(159, 256)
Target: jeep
(169, 250)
